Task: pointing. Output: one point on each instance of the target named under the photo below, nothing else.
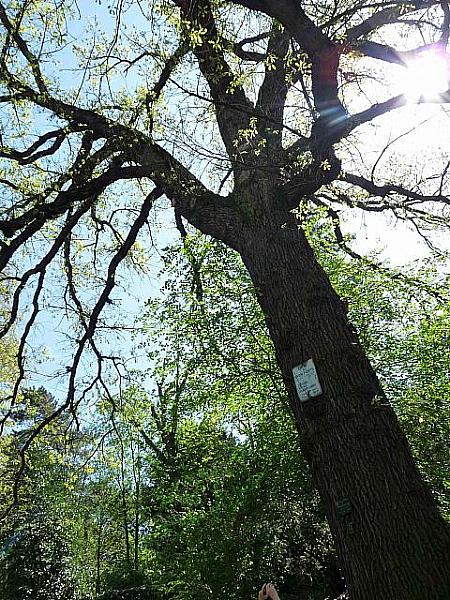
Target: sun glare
(426, 77)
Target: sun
(426, 76)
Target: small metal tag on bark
(306, 381)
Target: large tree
(271, 78)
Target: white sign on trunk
(306, 381)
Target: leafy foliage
(190, 475)
(36, 562)
(199, 461)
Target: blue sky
(401, 244)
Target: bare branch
(23, 47)
(31, 154)
(89, 332)
(153, 96)
(379, 18)
(390, 54)
(201, 207)
(40, 267)
(388, 189)
(33, 220)
(21, 349)
(13, 97)
(238, 47)
(372, 264)
(376, 110)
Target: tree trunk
(123, 493)
(137, 505)
(98, 558)
(392, 541)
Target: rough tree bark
(391, 539)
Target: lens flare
(426, 77)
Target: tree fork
(392, 541)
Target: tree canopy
(134, 102)
(252, 122)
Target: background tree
(37, 554)
(238, 383)
(272, 162)
(216, 504)
(228, 512)
(37, 563)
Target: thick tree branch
(214, 215)
(33, 152)
(310, 179)
(273, 91)
(43, 213)
(341, 197)
(323, 53)
(80, 171)
(378, 19)
(376, 110)
(24, 49)
(294, 18)
(232, 105)
(399, 57)
(238, 47)
(389, 189)
(253, 112)
(12, 97)
(150, 443)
